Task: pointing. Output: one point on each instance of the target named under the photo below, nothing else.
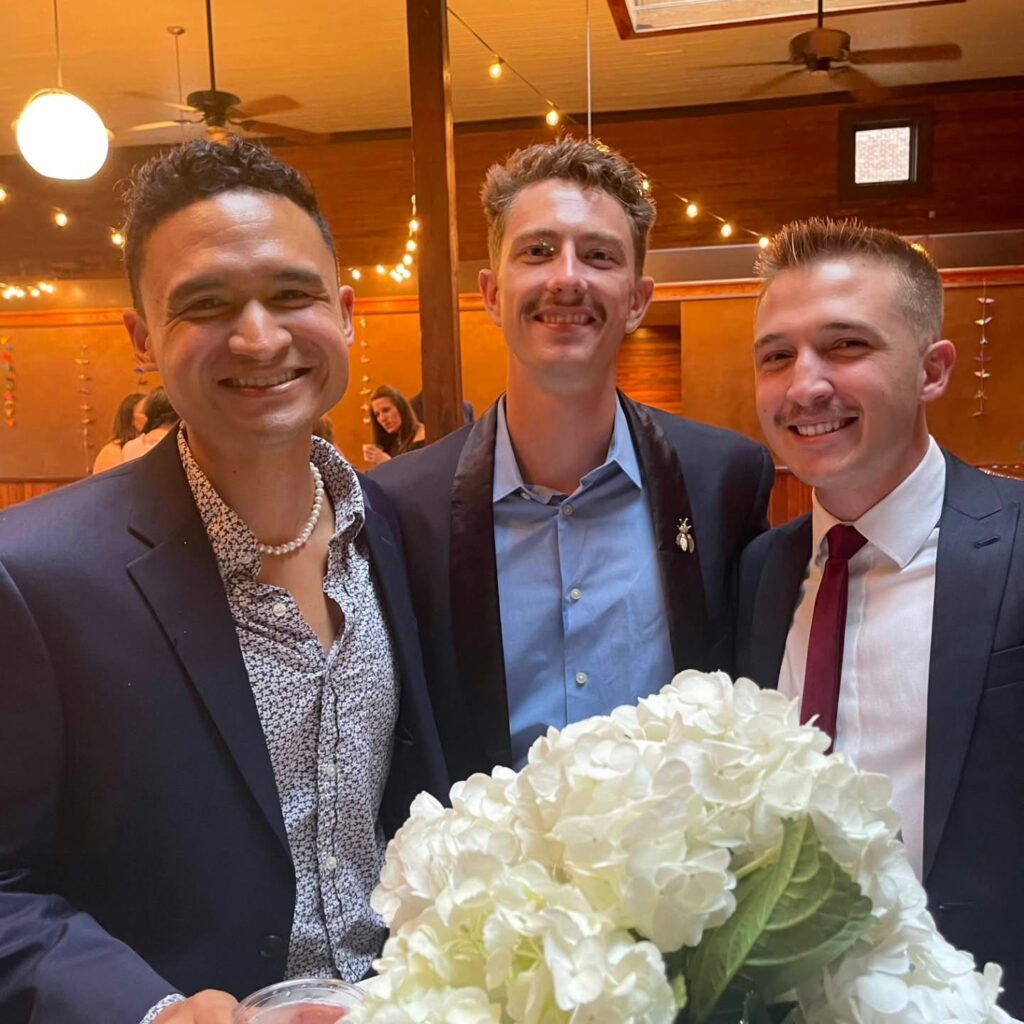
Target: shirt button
(567, 509)
(575, 593)
(581, 678)
(524, 494)
(272, 946)
(280, 610)
(331, 863)
(330, 770)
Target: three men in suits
(573, 549)
(923, 678)
(213, 702)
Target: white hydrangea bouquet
(697, 858)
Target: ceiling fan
(828, 50)
(220, 111)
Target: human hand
(206, 1007)
(374, 454)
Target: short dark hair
(197, 170)
(587, 164)
(124, 425)
(804, 242)
(159, 411)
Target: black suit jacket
(142, 847)
(718, 480)
(974, 761)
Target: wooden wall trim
(472, 302)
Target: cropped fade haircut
(587, 164)
(805, 242)
(198, 170)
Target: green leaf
(795, 913)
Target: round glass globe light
(61, 136)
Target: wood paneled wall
(760, 163)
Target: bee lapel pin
(684, 538)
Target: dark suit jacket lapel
(181, 583)
(473, 577)
(778, 589)
(976, 535)
(669, 501)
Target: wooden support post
(438, 252)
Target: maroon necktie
(828, 630)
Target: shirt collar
(509, 480)
(233, 543)
(900, 524)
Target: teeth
(565, 318)
(814, 429)
(263, 382)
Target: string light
(116, 238)
(414, 225)
(764, 241)
(16, 291)
(553, 117)
(380, 268)
(407, 259)
(692, 210)
(645, 186)
(410, 246)
(356, 273)
(497, 68)
(60, 218)
(726, 230)
(3, 194)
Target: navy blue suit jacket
(974, 759)
(142, 847)
(442, 494)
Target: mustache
(790, 415)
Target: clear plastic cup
(300, 1001)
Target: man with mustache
(573, 549)
(895, 609)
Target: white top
(883, 696)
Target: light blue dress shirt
(583, 620)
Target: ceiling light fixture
(59, 135)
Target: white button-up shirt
(883, 696)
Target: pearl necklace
(307, 530)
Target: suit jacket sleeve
(57, 965)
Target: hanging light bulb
(407, 259)
(645, 186)
(553, 117)
(117, 238)
(764, 241)
(61, 136)
(497, 68)
(60, 218)
(410, 246)
(692, 210)
(414, 225)
(380, 268)
(3, 194)
(356, 273)
(34, 292)
(726, 230)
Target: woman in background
(161, 419)
(395, 426)
(129, 422)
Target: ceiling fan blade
(265, 105)
(907, 54)
(152, 126)
(863, 88)
(160, 99)
(283, 130)
(771, 83)
(752, 64)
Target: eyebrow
(193, 286)
(606, 237)
(835, 327)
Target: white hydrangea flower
(522, 902)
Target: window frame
(918, 117)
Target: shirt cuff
(175, 997)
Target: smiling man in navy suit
(895, 610)
(212, 709)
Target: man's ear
(639, 301)
(939, 359)
(348, 301)
(489, 291)
(135, 324)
